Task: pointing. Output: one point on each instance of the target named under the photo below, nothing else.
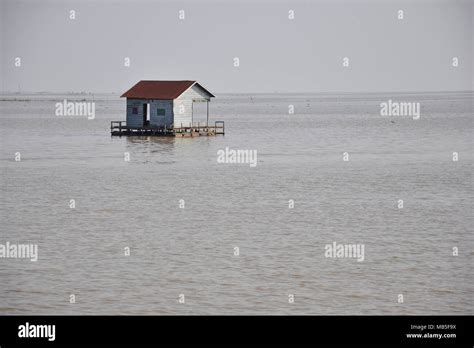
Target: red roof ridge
(160, 89)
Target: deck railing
(217, 128)
(117, 125)
(121, 128)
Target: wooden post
(207, 119)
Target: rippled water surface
(190, 251)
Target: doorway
(146, 114)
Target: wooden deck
(119, 128)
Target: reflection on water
(149, 144)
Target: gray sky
(276, 54)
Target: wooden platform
(119, 128)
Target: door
(146, 114)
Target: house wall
(183, 106)
(160, 121)
(134, 120)
(183, 112)
(155, 120)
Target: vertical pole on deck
(207, 119)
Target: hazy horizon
(27, 93)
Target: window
(160, 112)
(134, 111)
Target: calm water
(190, 251)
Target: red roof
(160, 89)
